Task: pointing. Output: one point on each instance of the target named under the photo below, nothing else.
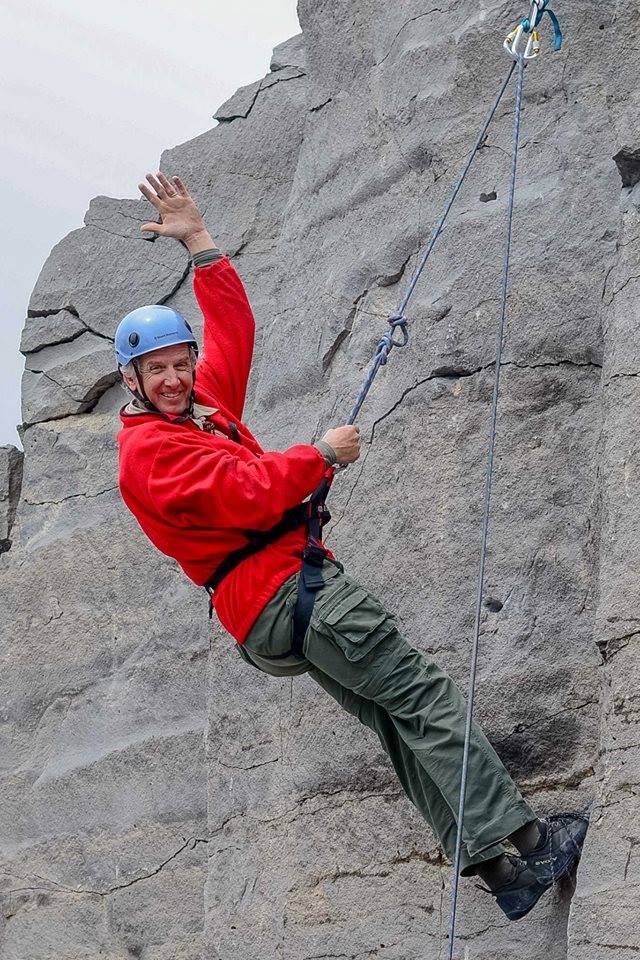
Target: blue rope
(487, 503)
(397, 320)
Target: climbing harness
(314, 515)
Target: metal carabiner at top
(535, 14)
(513, 42)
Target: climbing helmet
(150, 328)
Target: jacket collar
(200, 413)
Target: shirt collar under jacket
(200, 412)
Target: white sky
(90, 94)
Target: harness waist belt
(258, 539)
(313, 514)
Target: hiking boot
(555, 857)
(560, 846)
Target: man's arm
(229, 327)
(194, 483)
(229, 330)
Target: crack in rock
(522, 727)
(329, 355)
(621, 288)
(46, 312)
(420, 16)
(261, 86)
(104, 384)
(319, 106)
(252, 766)
(124, 236)
(178, 284)
(72, 496)
(446, 372)
(191, 843)
(614, 645)
(69, 339)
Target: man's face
(167, 378)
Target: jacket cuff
(327, 452)
(206, 257)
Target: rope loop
(388, 340)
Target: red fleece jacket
(193, 492)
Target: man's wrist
(197, 242)
(327, 452)
(206, 257)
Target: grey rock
(48, 329)
(67, 378)
(95, 272)
(158, 797)
(240, 104)
(291, 53)
(11, 461)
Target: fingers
(151, 228)
(180, 187)
(163, 187)
(157, 186)
(168, 187)
(150, 195)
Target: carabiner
(528, 28)
(512, 43)
(535, 15)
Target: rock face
(158, 798)
(10, 483)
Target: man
(206, 494)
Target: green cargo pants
(354, 651)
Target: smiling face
(167, 378)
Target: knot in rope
(388, 340)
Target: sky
(90, 95)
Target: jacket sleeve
(205, 486)
(229, 330)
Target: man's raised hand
(179, 215)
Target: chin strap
(139, 394)
(144, 401)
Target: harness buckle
(323, 514)
(314, 554)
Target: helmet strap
(139, 394)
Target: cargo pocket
(353, 619)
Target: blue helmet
(150, 328)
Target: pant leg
(416, 783)
(421, 715)
(354, 641)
